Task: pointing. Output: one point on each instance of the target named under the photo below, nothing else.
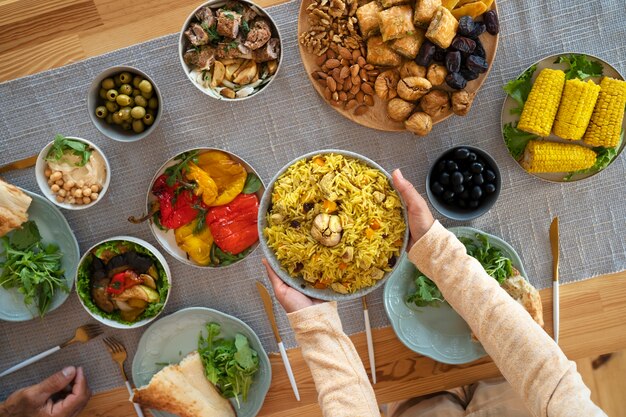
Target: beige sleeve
(528, 358)
(343, 386)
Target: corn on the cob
(543, 102)
(606, 121)
(543, 156)
(577, 103)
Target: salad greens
(516, 140)
(580, 67)
(62, 144)
(604, 158)
(491, 258)
(519, 88)
(223, 258)
(175, 172)
(252, 184)
(32, 267)
(229, 364)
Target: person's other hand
(420, 217)
(36, 400)
(291, 299)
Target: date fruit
(466, 26)
(453, 61)
(463, 44)
(491, 22)
(426, 53)
(456, 81)
(476, 64)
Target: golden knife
(269, 309)
(554, 244)
(21, 164)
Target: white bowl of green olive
(124, 104)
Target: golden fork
(83, 334)
(118, 353)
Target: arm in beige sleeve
(340, 378)
(528, 358)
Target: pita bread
(13, 207)
(184, 390)
(525, 294)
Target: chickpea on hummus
(76, 172)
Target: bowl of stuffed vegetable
(123, 282)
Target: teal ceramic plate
(437, 332)
(53, 228)
(171, 338)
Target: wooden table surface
(36, 35)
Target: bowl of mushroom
(230, 50)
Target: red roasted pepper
(122, 281)
(182, 211)
(234, 225)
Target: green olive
(148, 119)
(123, 100)
(126, 89)
(117, 81)
(112, 95)
(108, 83)
(124, 113)
(140, 101)
(102, 93)
(145, 86)
(136, 92)
(138, 112)
(101, 112)
(138, 126)
(136, 80)
(109, 118)
(116, 118)
(153, 103)
(151, 112)
(126, 78)
(126, 126)
(147, 95)
(111, 106)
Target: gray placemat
(286, 121)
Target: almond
(367, 89)
(368, 67)
(355, 89)
(315, 75)
(350, 104)
(322, 82)
(345, 53)
(369, 100)
(335, 103)
(356, 54)
(360, 96)
(363, 74)
(331, 54)
(361, 110)
(361, 61)
(347, 84)
(332, 63)
(345, 71)
(354, 70)
(335, 96)
(321, 74)
(344, 62)
(320, 59)
(343, 96)
(332, 84)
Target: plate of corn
(563, 118)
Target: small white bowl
(153, 251)
(113, 131)
(42, 182)
(182, 42)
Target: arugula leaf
(519, 88)
(426, 292)
(580, 67)
(516, 140)
(223, 258)
(252, 184)
(62, 144)
(175, 172)
(25, 237)
(603, 160)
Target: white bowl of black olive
(463, 183)
(230, 50)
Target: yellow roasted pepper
(206, 186)
(197, 246)
(229, 176)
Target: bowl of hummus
(72, 173)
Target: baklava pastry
(367, 15)
(390, 3)
(379, 53)
(442, 28)
(396, 22)
(409, 45)
(425, 11)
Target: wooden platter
(376, 117)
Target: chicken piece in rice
(233, 50)
(202, 58)
(228, 23)
(260, 32)
(197, 35)
(268, 52)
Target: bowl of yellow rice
(332, 226)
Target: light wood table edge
(592, 313)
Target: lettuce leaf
(516, 140)
(603, 160)
(580, 67)
(519, 88)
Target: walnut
(436, 74)
(413, 88)
(462, 102)
(386, 84)
(419, 123)
(411, 69)
(436, 103)
(399, 110)
(337, 7)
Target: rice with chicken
(336, 222)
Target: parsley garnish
(63, 144)
(175, 172)
(245, 28)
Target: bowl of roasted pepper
(202, 207)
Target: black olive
(465, 194)
(479, 50)
(308, 207)
(425, 54)
(295, 224)
(451, 166)
(448, 195)
(472, 156)
(461, 203)
(489, 175)
(476, 64)
(479, 29)
(478, 179)
(490, 188)
(466, 26)
(392, 261)
(473, 204)
(476, 167)
(458, 188)
(453, 61)
(444, 178)
(467, 176)
(457, 179)
(476, 192)
(461, 153)
(456, 81)
(491, 21)
(437, 188)
(440, 54)
(441, 166)
(463, 44)
(468, 75)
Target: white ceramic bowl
(112, 323)
(112, 131)
(166, 238)
(42, 181)
(182, 42)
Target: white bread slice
(13, 207)
(184, 390)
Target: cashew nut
(327, 229)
